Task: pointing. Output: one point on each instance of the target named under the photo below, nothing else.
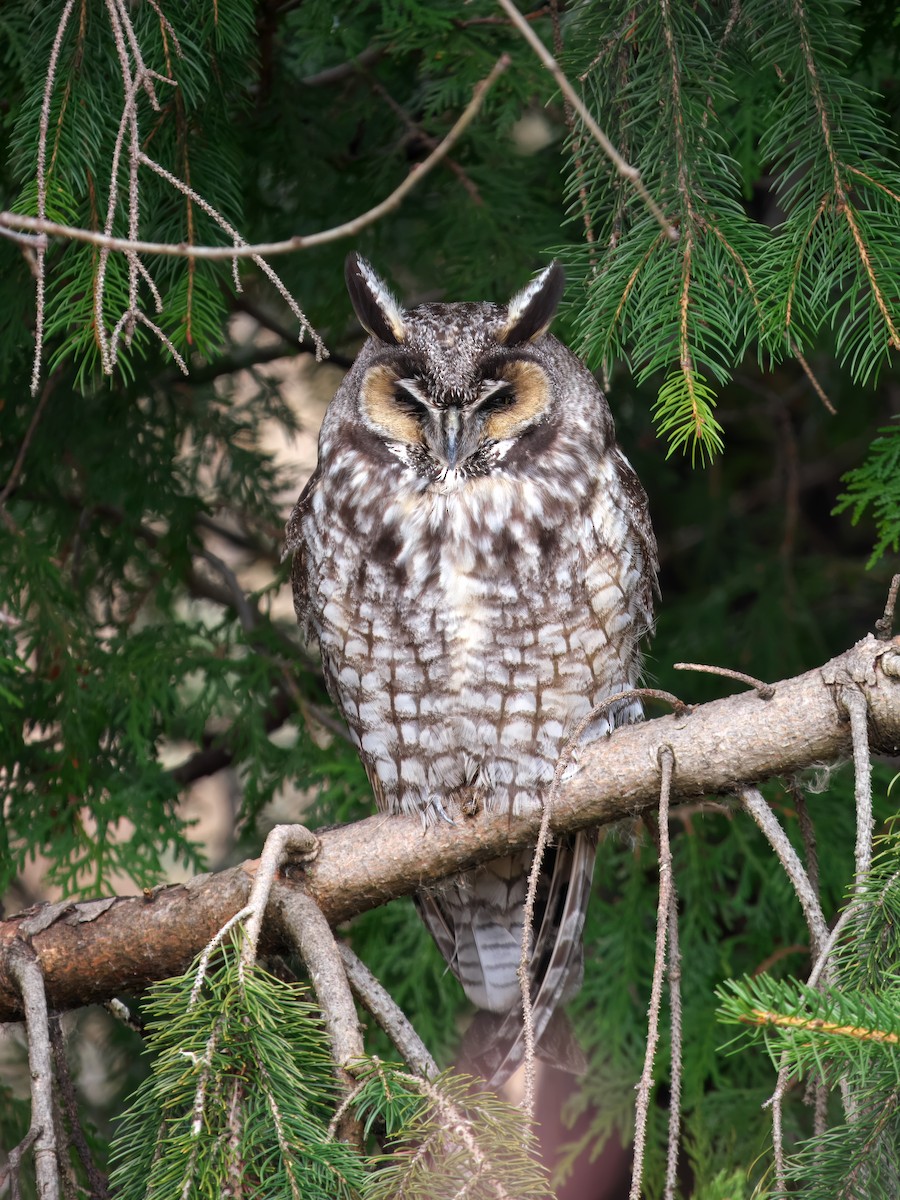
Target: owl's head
(460, 388)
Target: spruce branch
(839, 189)
(448, 1138)
(628, 172)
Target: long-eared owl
(474, 555)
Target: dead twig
(25, 969)
(390, 1017)
(17, 221)
(884, 626)
(97, 1181)
(281, 840)
(302, 920)
(764, 690)
(675, 1053)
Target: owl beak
(452, 430)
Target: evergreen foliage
(240, 1097)
(846, 1031)
(243, 1097)
(128, 502)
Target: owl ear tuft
(377, 310)
(530, 311)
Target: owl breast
(481, 624)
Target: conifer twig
(311, 934)
(282, 839)
(626, 170)
(460, 1129)
(524, 970)
(666, 909)
(577, 158)
(676, 1051)
(884, 626)
(97, 1181)
(808, 833)
(16, 472)
(41, 251)
(562, 763)
(765, 690)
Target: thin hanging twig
(855, 704)
(25, 969)
(676, 1053)
(664, 912)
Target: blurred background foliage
(147, 642)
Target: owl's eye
(395, 407)
(500, 400)
(409, 401)
(516, 401)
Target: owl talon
(440, 812)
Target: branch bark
(89, 952)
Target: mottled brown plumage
(474, 555)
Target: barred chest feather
(483, 619)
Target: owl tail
(494, 1046)
(477, 918)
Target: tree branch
(17, 221)
(89, 953)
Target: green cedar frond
(875, 485)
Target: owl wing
(295, 544)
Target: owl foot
(434, 810)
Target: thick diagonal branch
(90, 953)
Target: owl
(473, 554)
